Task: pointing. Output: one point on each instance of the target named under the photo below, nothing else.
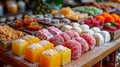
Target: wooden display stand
(89, 59)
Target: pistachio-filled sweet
(65, 54)
(33, 52)
(19, 46)
(31, 39)
(50, 58)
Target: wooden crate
(115, 35)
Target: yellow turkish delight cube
(46, 44)
(31, 39)
(65, 54)
(19, 46)
(50, 58)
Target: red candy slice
(90, 39)
(87, 22)
(84, 44)
(101, 22)
(112, 28)
(65, 36)
(95, 23)
(118, 26)
(72, 33)
(44, 34)
(105, 27)
(53, 30)
(57, 40)
(75, 47)
(75, 33)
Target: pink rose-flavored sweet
(57, 40)
(54, 31)
(72, 33)
(76, 34)
(75, 47)
(84, 44)
(65, 36)
(44, 34)
(90, 39)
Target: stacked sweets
(42, 51)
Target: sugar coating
(75, 24)
(106, 35)
(60, 48)
(84, 27)
(100, 38)
(50, 52)
(88, 31)
(35, 46)
(96, 29)
(29, 36)
(20, 41)
(66, 27)
(78, 29)
(44, 42)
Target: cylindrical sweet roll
(99, 39)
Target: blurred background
(17, 6)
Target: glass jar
(1, 10)
(12, 7)
(21, 6)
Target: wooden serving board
(86, 60)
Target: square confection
(19, 46)
(33, 52)
(31, 39)
(65, 54)
(50, 58)
(46, 44)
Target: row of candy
(89, 37)
(105, 20)
(42, 51)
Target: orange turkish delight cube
(46, 44)
(19, 46)
(31, 39)
(65, 54)
(33, 52)
(50, 58)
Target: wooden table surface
(86, 60)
